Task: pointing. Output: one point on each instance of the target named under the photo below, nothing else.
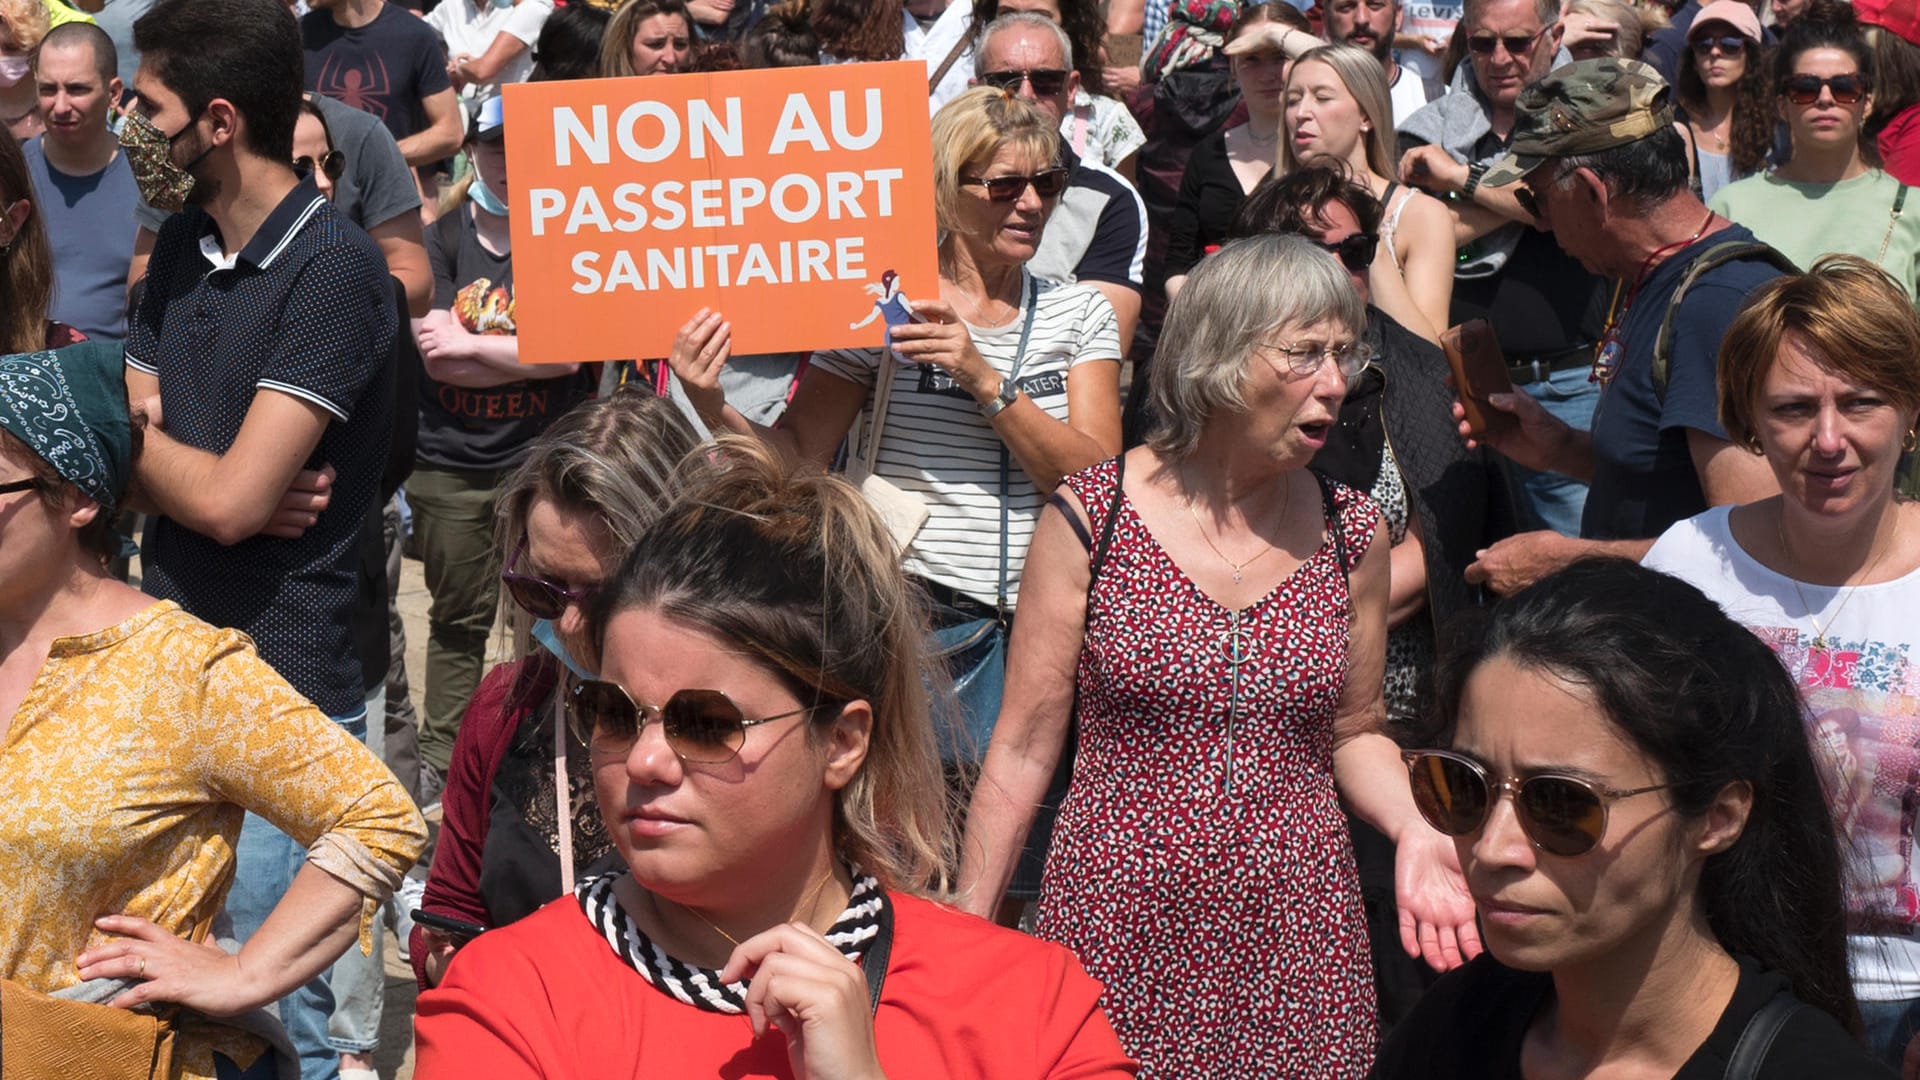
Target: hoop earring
(1754, 447)
(1912, 441)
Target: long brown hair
(859, 29)
(789, 565)
(26, 270)
(1751, 139)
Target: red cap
(1900, 16)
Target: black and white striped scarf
(851, 933)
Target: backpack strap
(1717, 255)
(1757, 1038)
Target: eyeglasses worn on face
(1305, 357)
(537, 596)
(1047, 184)
(1561, 815)
(1356, 250)
(18, 485)
(1726, 44)
(1516, 44)
(332, 164)
(1046, 81)
(1805, 89)
(704, 727)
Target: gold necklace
(804, 905)
(1286, 497)
(1820, 633)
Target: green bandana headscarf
(70, 407)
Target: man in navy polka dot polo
(258, 347)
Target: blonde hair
(616, 47)
(1630, 37)
(27, 21)
(971, 128)
(790, 565)
(1366, 82)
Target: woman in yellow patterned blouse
(132, 738)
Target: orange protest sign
(797, 201)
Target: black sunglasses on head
(1516, 44)
(1046, 184)
(1561, 815)
(701, 726)
(1356, 250)
(1805, 89)
(332, 164)
(1046, 81)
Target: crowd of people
(1568, 725)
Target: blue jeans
(1550, 500)
(359, 982)
(265, 861)
(1890, 1025)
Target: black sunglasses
(1561, 815)
(1356, 250)
(19, 485)
(537, 596)
(1805, 89)
(1517, 44)
(701, 726)
(332, 164)
(1046, 81)
(1046, 184)
(1730, 44)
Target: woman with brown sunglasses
(1642, 824)
(766, 767)
(1830, 197)
(587, 489)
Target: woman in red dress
(1225, 637)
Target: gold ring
(143, 966)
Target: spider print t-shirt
(489, 428)
(387, 67)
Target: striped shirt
(938, 446)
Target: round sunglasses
(1805, 89)
(702, 726)
(537, 596)
(1561, 815)
(332, 164)
(1046, 184)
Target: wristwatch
(1005, 396)
(1474, 172)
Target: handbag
(974, 649)
(901, 511)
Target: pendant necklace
(1237, 567)
(1819, 632)
(804, 905)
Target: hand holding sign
(941, 339)
(700, 350)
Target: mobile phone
(1479, 370)
(460, 930)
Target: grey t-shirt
(377, 186)
(88, 222)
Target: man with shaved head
(81, 183)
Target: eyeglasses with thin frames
(701, 726)
(1305, 357)
(1561, 815)
(332, 164)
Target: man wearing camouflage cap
(1604, 170)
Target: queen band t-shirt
(486, 428)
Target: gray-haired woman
(1221, 614)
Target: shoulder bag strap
(883, 377)
(562, 790)
(1331, 509)
(873, 962)
(1006, 457)
(945, 65)
(1899, 202)
(1756, 1039)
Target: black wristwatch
(1474, 173)
(1005, 396)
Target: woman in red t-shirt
(763, 756)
